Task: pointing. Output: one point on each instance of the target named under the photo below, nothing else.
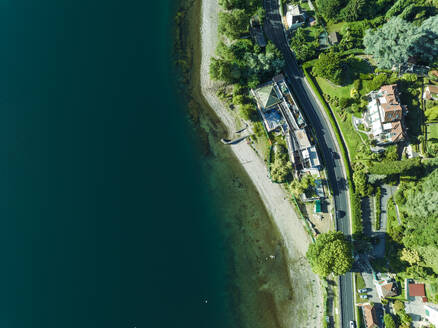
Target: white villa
(384, 116)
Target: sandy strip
(307, 308)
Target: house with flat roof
(384, 116)
(431, 314)
(280, 113)
(295, 17)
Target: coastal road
(327, 143)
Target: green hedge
(378, 207)
(356, 211)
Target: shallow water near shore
(117, 210)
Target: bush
(356, 212)
(389, 321)
(330, 66)
(378, 207)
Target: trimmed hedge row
(378, 207)
(356, 210)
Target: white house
(295, 17)
(431, 315)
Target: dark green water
(104, 219)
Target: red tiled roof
(397, 132)
(392, 113)
(424, 298)
(416, 290)
(389, 290)
(389, 89)
(370, 316)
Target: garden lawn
(331, 27)
(432, 131)
(351, 136)
(332, 89)
(360, 283)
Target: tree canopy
(331, 253)
(398, 40)
(331, 66)
(389, 321)
(303, 49)
(330, 8)
(421, 223)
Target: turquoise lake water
(104, 217)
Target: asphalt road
(326, 142)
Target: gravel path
(305, 309)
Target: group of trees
(331, 253)
(304, 47)
(398, 40)
(351, 10)
(240, 60)
(331, 66)
(281, 167)
(394, 167)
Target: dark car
(340, 214)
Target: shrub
(378, 207)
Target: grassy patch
(432, 291)
(331, 27)
(432, 131)
(351, 136)
(360, 283)
(333, 89)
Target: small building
(334, 37)
(385, 116)
(386, 288)
(417, 290)
(295, 17)
(369, 316)
(430, 92)
(431, 315)
(268, 97)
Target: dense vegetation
(398, 40)
(281, 167)
(239, 60)
(331, 253)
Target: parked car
(364, 296)
(363, 290)
(352, 324)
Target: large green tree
(426, 47)
(391, 45)
(331, 66)
(331, 253)
(389, 321)
(421, 220)
(233, 23)
(330, 8)
(398, 40)
(303, 48)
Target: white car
(364, 296)
(352, 325)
